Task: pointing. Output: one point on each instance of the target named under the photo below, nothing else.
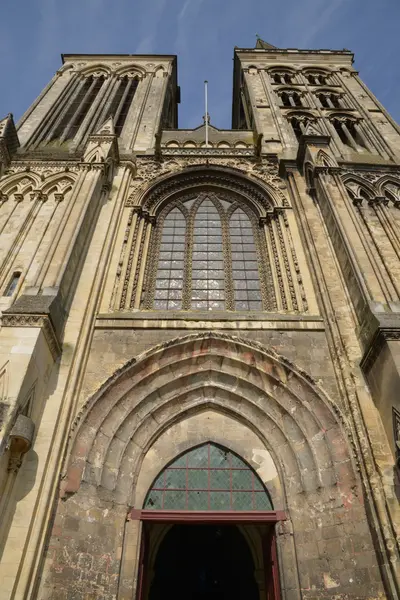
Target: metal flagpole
(206, 101)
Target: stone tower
(200, 342)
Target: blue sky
(33, 34)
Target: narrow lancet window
(246, 278)
(10, 289)
(169, 281)
(208, 279)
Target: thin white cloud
(310, 18)
(146, 45)
(150, 14)
(184, 9)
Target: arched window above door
(208, 477)
(209, 255)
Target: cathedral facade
(200, 336)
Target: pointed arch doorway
(208, 531)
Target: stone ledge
(33, 320)
(222, 320)
(381, 336)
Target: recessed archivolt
(257, 192)
(204, 426)
(301, 428)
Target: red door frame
(273, 591)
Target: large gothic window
(208, 477)
(209, 255)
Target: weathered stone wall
(325, 546)
(112, 348)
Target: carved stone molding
(208, 152)
(31, 320)
(245, 182)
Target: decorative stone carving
(148, 170)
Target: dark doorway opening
(204, 562)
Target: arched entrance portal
(208, 531)
(204, 562)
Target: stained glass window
(208, 477)
(169, 281)
(208, 285)
(246, 279)
(209, 258)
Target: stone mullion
(81, 104)
(340, 146)
(359, 254)
(379, 138)
(114, 87)
(61, 105)
(389, 292)
(142, 260)
(131, 259)
(188, 264)
(275, 265)
(364, 136)
(389, 225)
(49, 264)
(379, 246)
(20, 238)
(71, 97)
(105, 95)
(122, 101)
(283, 133)
(43, 241)
(285, 265)
(92, 113)
(227, 257)
(141, 97)
(381, 213)
(8, 214)
(349, 137)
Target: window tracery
(329, 99)
(208, 477)
(77, 109)
(291, 98)
(83, 92)
(209, 253)
(282, 76)
(349, 132)
(121, 102)
(299, 123)
(317, 78)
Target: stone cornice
(35, 320)
(381, 336)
